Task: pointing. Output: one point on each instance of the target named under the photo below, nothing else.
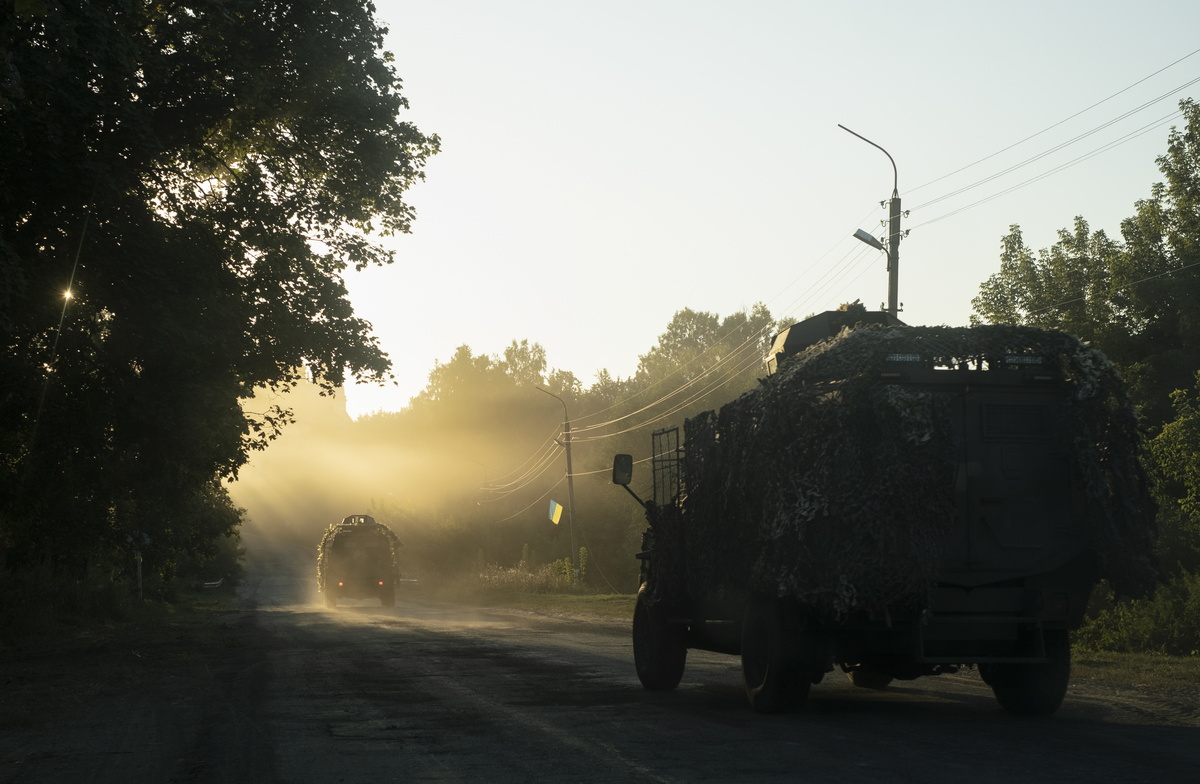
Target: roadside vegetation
(1164, 624)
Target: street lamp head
(870, 239)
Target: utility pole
(893, 251)
(486, 536)
(566, 445)
(893, 246)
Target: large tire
(1033, 689)
(330, 599)
(387, 595)
(770, 660)
(659, 650)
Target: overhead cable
(1060, 122)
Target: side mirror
(622, 470)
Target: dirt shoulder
(1168, 686)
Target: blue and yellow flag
(555, 512)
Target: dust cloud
(420, 473)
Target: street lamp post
(893, 246)
(566, 444)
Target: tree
(464, 374)
(199, 175)
(1138, 300)
(1067, 286)
(695, 344)
(606, 390)
(523, 363)
(1176, 457)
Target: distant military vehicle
(895, 501)
(358, 558)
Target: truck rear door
(1013, 483)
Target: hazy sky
(606, 164)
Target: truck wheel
(330, 599)
(387, 596)
(1033, 689)
(773, 681)
(659, 650)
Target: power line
(1060, 122)
(1052, 150)
(532, 475)
(531, 505)
(548, 440)
(1062, 167)
(853, 259)
(681, 405)
(750, 341)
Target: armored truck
(358, 558)
(896, 502)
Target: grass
(603, 607)
(1175, 677)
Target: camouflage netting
(829, 485)
(337, 529)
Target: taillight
(341, 584)
(381, 582)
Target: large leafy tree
(698, 344)
(1138, 299)
(198, 174)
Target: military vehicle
(358, 558)
(898, 502)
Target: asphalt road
(436, 692)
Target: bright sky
(606, 164)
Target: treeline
(1137, 298)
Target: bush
(549, 578)
(1168, 622)
(37, 600)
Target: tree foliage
(695, 342)
(1138, 298)
(198, 175)
(1176, 458)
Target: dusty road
(293, 692)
